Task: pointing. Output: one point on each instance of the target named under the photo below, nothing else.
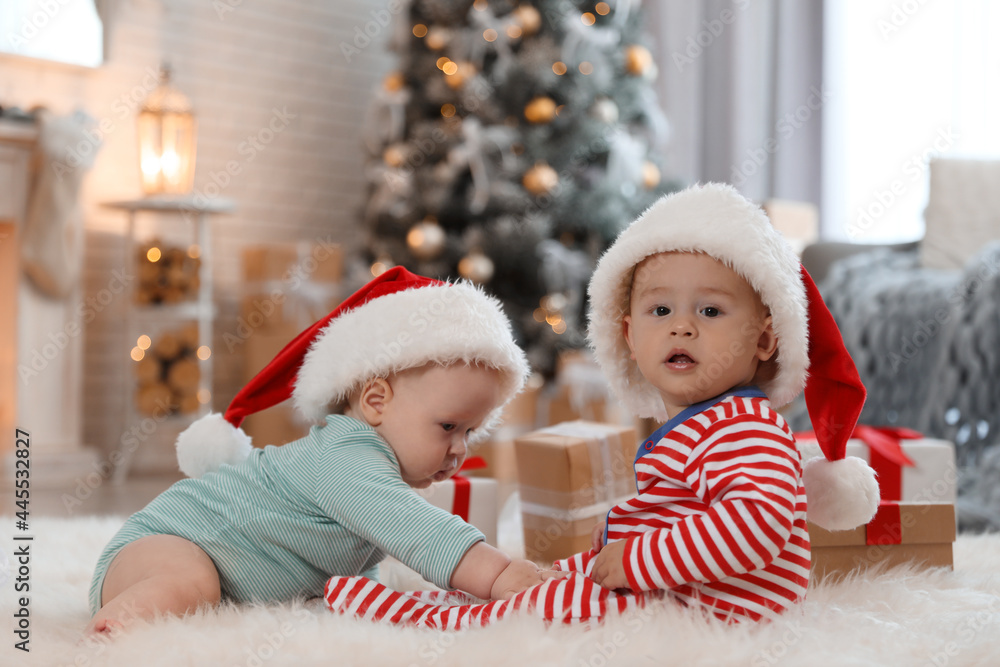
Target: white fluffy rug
(892, 618)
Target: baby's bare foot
(108, 626)
(101, 630)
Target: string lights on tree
(509, 147)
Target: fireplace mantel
(48, 406)
(16, 144)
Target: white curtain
(741, 83)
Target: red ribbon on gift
(463, 487)
(887, 458)
(886, 527)
(886, 455)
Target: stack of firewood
(166, 274)
(168, 374)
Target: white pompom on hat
(716, 220)
(397, 321)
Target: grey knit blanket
(927, 345)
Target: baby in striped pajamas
(700, 318)
(418, 368)
(720, 516)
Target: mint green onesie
(281, 523)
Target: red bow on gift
(885, 441)
(463, 487)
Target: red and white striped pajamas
(719, 523)
(720, 518)
(572, 599)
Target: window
(908, 80)
(66, 31)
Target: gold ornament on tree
(457, 74)
(476, 267)
(550, 310)
(426, 239)
(639, 61)
(540, 179)
(393, 82)
(528, 18)
(540, 110)
(437, 38)
(395, 155)
(381, 264)
(650, 175)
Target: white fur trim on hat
(210, 442)
(716, 220)
(439, 323)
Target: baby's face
(695, 327)
(431, 415)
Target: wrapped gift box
(580, 392)
(500, 466)
(569, 476)
(931, 478)
(472, 498)
(280, 423)
(520, 415)
(916, 520)
(917, 533)
(321, 261)
(286, 287)
(295, 283)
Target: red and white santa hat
(716, 220)
(397, 321)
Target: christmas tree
(510, 147)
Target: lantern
(166, 140)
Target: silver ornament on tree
(605, 110)
(476, 267)
(426, 239)
(555, 303)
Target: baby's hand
(597, 537)
(608, 570)
(517, 576)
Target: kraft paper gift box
(278, 424)
(289, 282)
(916, 520)
(500, 465)
(917, 533)
(497, 452)
(321, 261)
(569, 476)
(472, 498)
(580, 392)
(287, 287)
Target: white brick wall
(237, 67)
